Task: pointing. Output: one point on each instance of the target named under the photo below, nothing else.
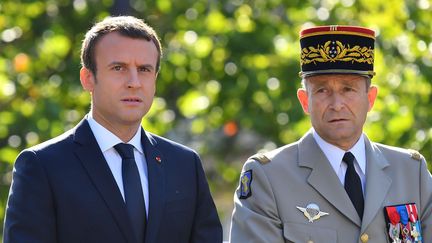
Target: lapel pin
(158, 159)
(312, 212)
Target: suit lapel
(156, 181)
(92, 159)
(377, 183)
(310, 155)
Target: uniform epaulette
(261, 158)
(416, 155)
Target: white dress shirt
(106, 141)
(335, 155)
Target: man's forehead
(335, 78)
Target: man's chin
(339, 133)
(131, 119)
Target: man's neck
(124, 132)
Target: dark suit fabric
(63, 191)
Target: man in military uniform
(334, 184)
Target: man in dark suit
(107, 180)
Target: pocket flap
(296, 232)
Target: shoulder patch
(245, 184)
(261, 158)
(416, 155)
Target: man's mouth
(132, 99)
(338, 120)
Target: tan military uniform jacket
(299, 174)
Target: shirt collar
(335, 154)
(107, 139)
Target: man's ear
(372, 94)
(156, 76)
(303, 98)
(87, 79)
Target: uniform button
(364, 238)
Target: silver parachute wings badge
(312, 212)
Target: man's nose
(337, 101)
(134, 80)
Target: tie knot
(125, 150)
(348, 158)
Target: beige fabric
(299, 174)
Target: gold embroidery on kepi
(337, 49)
(334, 51)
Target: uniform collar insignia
(312, 212)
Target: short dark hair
(126, 26)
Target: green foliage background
(229, 75)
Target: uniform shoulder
(267, 157)
(412, 153)
(416, 155)
(260, 157)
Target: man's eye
(144, 69)
(117, 68)
(348, 89)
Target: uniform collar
(335, 154)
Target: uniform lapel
(323, 178)
(377, 183)
(156, 181)
(92, 159)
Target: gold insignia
(333, 51)
(416, 155)
(261, 158)
(364, 238)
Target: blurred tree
(229, 76)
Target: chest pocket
(302, 233)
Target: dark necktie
(133, 193)
(353, 184)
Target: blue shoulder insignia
(245, 185)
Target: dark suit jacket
(63, 191)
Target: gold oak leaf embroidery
(343, 53)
